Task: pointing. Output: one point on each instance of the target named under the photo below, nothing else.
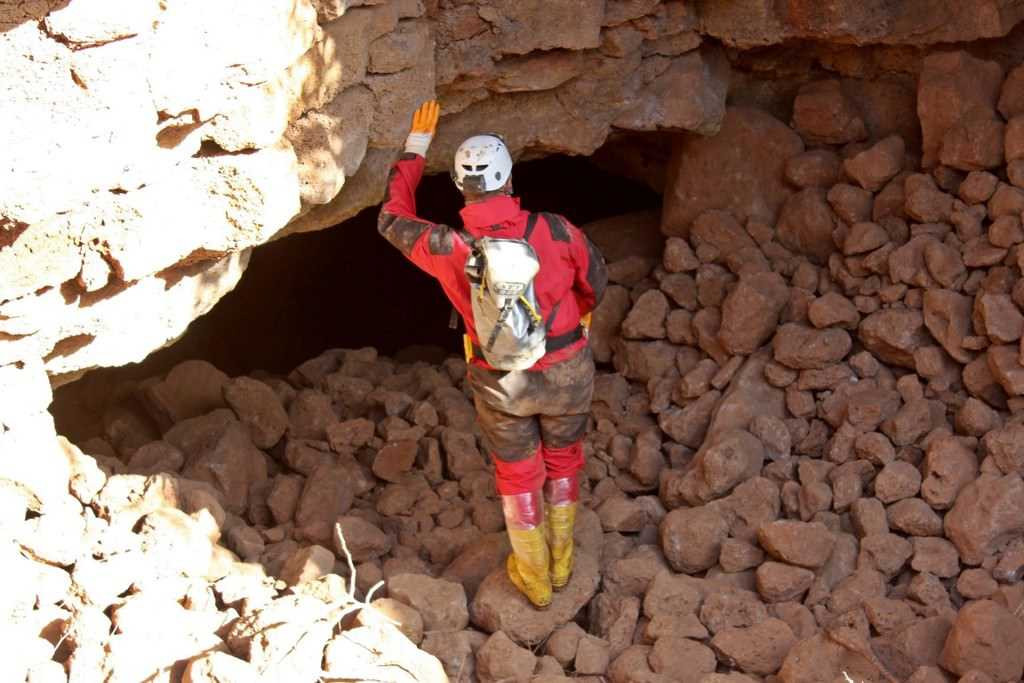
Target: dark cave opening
(346, 287)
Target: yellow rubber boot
(528, 565)
(561, 520)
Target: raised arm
(398, 221)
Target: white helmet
(482, 164)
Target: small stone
(896, 481)
(777, 582)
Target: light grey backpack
(506, 314)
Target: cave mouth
(346, 287)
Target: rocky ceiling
(149, 145)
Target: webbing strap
(552, 343)
(531, 223)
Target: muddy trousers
(533, 424)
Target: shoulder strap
(468, 239)
(531, 223)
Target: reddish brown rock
(987, 512)
(976, 583)
(833, 309)
(823, 114)
(805, 224)
(499, 606)
(896, 481)
(974, 143)
(947, 315)
(395, 459)
(985, 637)
(646, 320)
(945, 264)
(893, 334)
(974, 418)
(820, 658)
(977, 187)
(232, 465)
(1014, 141)
(914, 517)
(778, 582)
(998, 317)
(948, 467)
(258, 407)
(758, 649)
(864, 237)
(924, 202)
(878, 164)
(981, 383)
(1005, 232)
(1011, 97)
(814, 168)
(799, 543)
(720, 230)
(606, 320)
(953, 85)
(936, 556)
(718, 172)
(679, 256)
(852, 204)
(327, 495)
(691, 538)
(885, 552)
(1006, 201)
(1004, 364)
(672, 654)
(1006, 447)
(750, 313)
(800, 347)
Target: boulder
(718, 172)
(499, 606)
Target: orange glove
(424, 125)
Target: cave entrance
(346, 287)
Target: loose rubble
(805, 464)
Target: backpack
(506, 314)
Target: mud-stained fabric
(518, 411)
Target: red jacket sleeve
(430, 246)
(591, 273)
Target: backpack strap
(531, 223)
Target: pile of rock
(823, 384)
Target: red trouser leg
(521, 476)
(563, 466)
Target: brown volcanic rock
(822, 114)
(741, 169)
(805, 224)
(757, 23)
(952, 86)
(799, 543)
(750, 312)
(985, 637)
(758, 649)
(988, 511)
(947, 315)
(893, 335)
(803, 348)
(499, 606)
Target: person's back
(533, 420)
